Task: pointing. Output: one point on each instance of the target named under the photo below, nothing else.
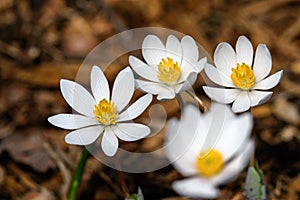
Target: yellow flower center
(243, 76)
(168, 71)
(106, 112)
(209, 162)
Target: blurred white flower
(101, 114)
(244, 80)
(210, 149)
(168, 69)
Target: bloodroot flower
(245, 80)
(101, 114)
(168, 69)
(209, 149)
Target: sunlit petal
(77, 97)
(71, 121)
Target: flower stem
(200, 102)
(78, 174)
(180, 101)
(121, 178)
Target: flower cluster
(209, 149)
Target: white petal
(200, 65)
(123, 88)
(242, 103)
(225, 58)
(153, 50)
(190, 53)
(109, 142)
(99, 84)
(185, 72)
(220, 113)
(217, 76)
(187, 84)
(244, 51)
(173, 49)
(71, 121)
(196, 187)
(184, 140)
(269, 82)
(162, 90)
(231, 171)
(84, 136)
(259, 97)
(131, 131)
(236, 132)
(142, 69)
(77, 97)
(136, 108)
(262, 62)
(166, 94)
(221, 95)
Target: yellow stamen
(168, 71)
(209, 162)
(243, 76)
(106, 112)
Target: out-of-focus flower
(245, 80)
(168, 69)
(101, 114)
(210, 149)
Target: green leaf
(255, 186)
(138, 196)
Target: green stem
(78, 174)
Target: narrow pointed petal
(217, 76)
(225, 58)
(244, 51)
(153, 50)
(131, 131)
(136, 108)
(71, 121)
(109, 143)
(188, 83)
(190, 52)
(182, 146)
(161, 90)
(242, 103)
(220, 113)
(142, 69)
(262, 63)
(173, 49)
(123, 88)
(259, 97)
(77, 97)
(229, 142)
(196, 187)
(99, 84)
(84, 136)
(200, 65)
(232, 170)
(269, 82)
(166, 94)
(185, 72)
(221, 95)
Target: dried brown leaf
(27, 147)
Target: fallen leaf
(27, 147)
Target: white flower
(170, 69)
(101, 114)
(210, 149)
(245, 80)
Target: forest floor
(44, 41)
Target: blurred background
(44, 41)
